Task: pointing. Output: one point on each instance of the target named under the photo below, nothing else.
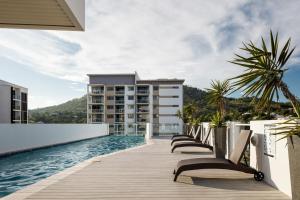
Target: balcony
(16, 107)
(97, 92)
(16, 97)
(119, 120)
(96, 100)
(119, 111)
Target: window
(110, 116)
(155, 116)
(130, 116)
(130, 125)
(110, 107)
(130, 88)
(130, 107)
(130, 97)
(155, 88)
(110, 98)
(110, 88)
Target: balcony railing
(142, 120)
(119, 111)
(143, 110)
(97, 110)
(142, 92)
(16, 107)
(119, 101)
(120, 92)
(143, 101)
(97, 92)
(16, 97)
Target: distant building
(127, 103)
(13, 103)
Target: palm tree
(264, 72)
(189, 113)
(217, 95)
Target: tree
(217, 95)
(189, 113)
(264, 71)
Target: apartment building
(127, 103)
(13, 103)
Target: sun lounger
(196, 143)
(233, 163)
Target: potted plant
(217, 96)
(219, 135)
(263, 79)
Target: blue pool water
(22, 169)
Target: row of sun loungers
(197, 137)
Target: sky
(190, 39)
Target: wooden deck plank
(146, 173)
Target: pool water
(22, 169)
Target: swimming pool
(22, 169)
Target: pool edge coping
(42, 184)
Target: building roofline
(111, 74)
(180, 81)
(2, 82)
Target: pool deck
(145, 172)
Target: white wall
(20, 137)
(276, 168)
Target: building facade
(127, 103)
(13, 103)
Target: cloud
(189, 39)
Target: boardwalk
(146, 173)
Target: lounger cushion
(202, 161)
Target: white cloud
(189, 39)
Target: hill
(74, 111)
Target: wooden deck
(146, 173)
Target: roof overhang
(43, 14)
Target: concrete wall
(270, 156)
(18, 137)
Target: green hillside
(74, 111)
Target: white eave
(43, 14)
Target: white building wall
(5, 104)
(166, 92)
(276, 167)
(20, 137)
(151, 104)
